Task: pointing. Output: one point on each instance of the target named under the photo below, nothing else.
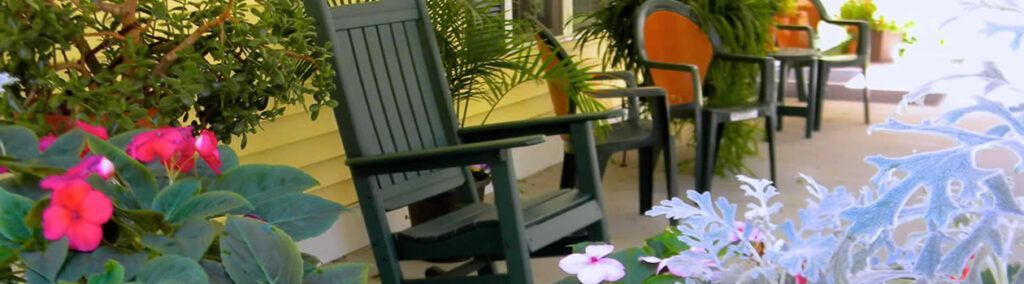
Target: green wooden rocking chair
(403, 145)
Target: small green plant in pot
(212, 64)
(152, 206)
(885, 34)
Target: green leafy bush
(172, 219)
(213, 64)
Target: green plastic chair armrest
(442, 157)
(626, 76)
(542, 126)
(645, 92)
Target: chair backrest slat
(392, 96)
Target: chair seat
(628, 134)
(457, 234)
(839, 58)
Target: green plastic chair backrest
(392, 92)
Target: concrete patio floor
(834, 157)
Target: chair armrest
(800, 28)
(692, 69)
(628, 77)
(767, 65)
(442, 157)
(543, 126)
(863, 34)
(644, 92)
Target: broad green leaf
(140, 181)
(257, 252)
(18, 142)
(121, 140)
(339, 273)
(228, 160)
(44, 265)
(120, 196)
(34, 217)
(190, 240)
(665, 244)
(300, 215)
(258, 183)
(215, 271)
(309, 263)
(207, 205)
(113, 273)
(81, 264)
(12, 217)
(663, 279)
(24, 185)
(148, 220)
(64, 152)
(172, 269)
(636, 271)
(175, 195)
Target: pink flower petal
(613, 269)
(105, 168)
(56, 221)
(599, 250)
(206, 145)
(96, 208)
(97, 131)
(46, 141)
(4, 170)
(574, 263)
(71, 196)
(592, 274)
(84, 236)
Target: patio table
(788, 56)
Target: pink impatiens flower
(173, 146)
(77, 212)
(98, 165)
(592, 267)
(206, 145)
(46, 141)
(98, 131)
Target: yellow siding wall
(315, 146)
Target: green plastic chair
(647, 135)
(860, 58)
(403, 146)
(674, 52)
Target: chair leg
(703, 146)
(488, 269)
(714, 138)
(801, 84)
(603, 159)
(781, 95)
(671, 171)
(771, 145)
(867, 95)
(568, 171)
(812, 101)
(512, 226)
(821, 88)
(646, 178)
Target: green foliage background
(215, 64)
(744, 26)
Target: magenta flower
(98, 131)
(173, 146)
(46, 141)
(4, 170)
(97, 165)
(77, 212)
(206, 145)
(592, 267)
(741, 227)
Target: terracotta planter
(883, 45)
(444, 203)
